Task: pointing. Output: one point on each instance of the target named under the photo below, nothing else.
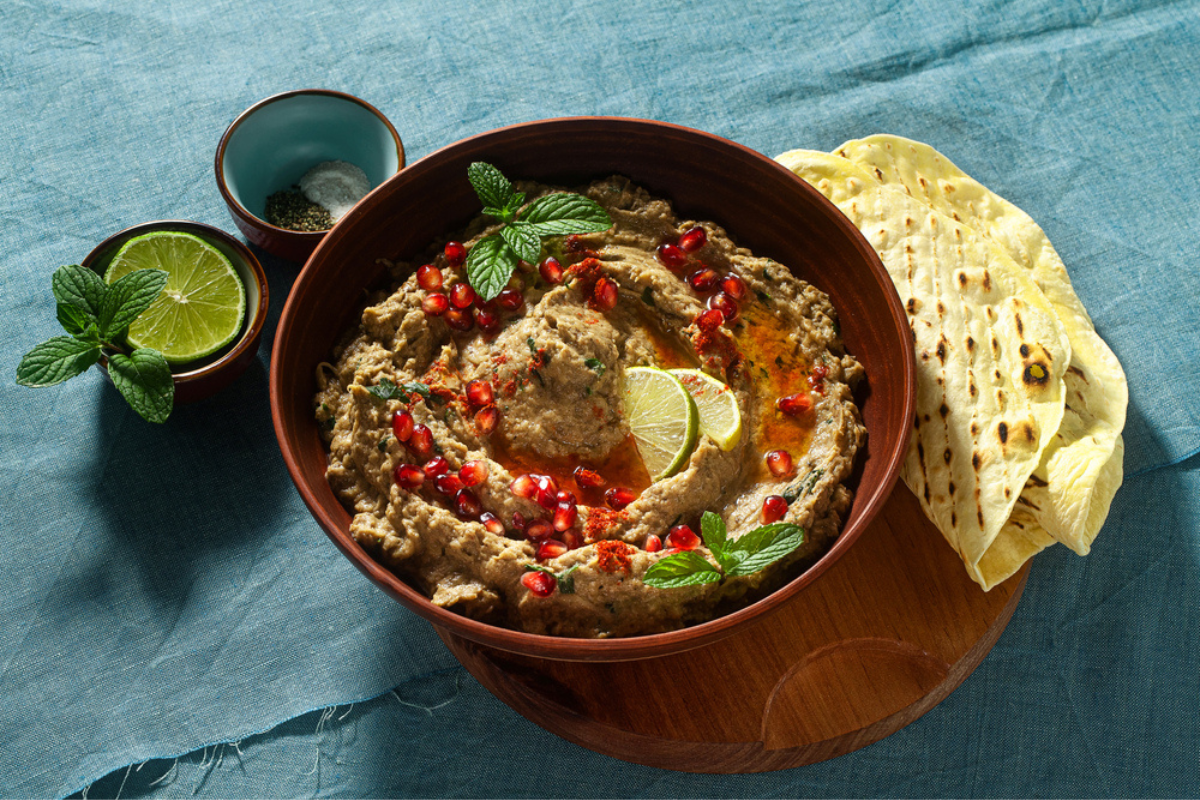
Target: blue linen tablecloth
(173, 622)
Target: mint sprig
(746, 555)
(97, 316)
(493, 258)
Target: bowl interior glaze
(761, 204)
(275, 143)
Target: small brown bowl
(210, 375)
(272, 144)
(763, 206)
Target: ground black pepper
(290, 209)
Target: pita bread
(1070, 491)
(991, 356)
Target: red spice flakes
(614, 555)
(585, 274)
(598, 523)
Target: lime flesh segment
(201, 308)
(720, 418)
(662, 417)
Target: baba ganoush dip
(477, 444)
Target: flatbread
(1070, 491)
(991, 356)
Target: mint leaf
(78, 286)
(78, 323)
(144, 379)
(490, 184)
(387, 389)
(566, 581)
(687, 568)
(566, 212)
(489, 266)
(55, 360)
(764, 546)
(712, 529)
(523, 241)
(127, 298)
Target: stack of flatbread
(1020, 404)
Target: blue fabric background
(173, 623)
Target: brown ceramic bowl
(761, 204)
(210, 375)
(272, 144)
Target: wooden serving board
(883, 636)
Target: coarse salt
(336, 186)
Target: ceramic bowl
(208, 376)
(761, 204)
(272, 144)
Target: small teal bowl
(270, 146)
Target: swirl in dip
(476, 446)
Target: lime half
(662, 417)
(201, 308)
(720, 418)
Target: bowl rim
(219, 160)
(570, 648)
(256, 317)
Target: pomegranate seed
(460, 320)
(780, 463)
(510, 299)
(670, 256)
(473, 473)
(436, 466)
(817, 374)
(486, 419)
(487, 320)
(618, 497)
(524, 486)
(682, 537)
(708, 321)
(462, 295)
(692, 240)
(573, 539)
(467, 504)
(435, 304)
(538, 529)
(725, 304)
(448, 484)
(539, 584)
(733, 286)
(703, 279)
(773, 508)
(421, 442)
(566, 497)
(479, 393)
(794, 404)
(429, 277)
(402, 425)
(547, 492)
(605, 294)
(564, 516)
(409, 476)
(653, 544)
(519, 522)
(550, 549)
(455, 253)
(588, 479)
(551, 270)
(492, 523)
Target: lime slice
(720, 418)
(201, 308)
(662, 417)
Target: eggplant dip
(530, 460)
